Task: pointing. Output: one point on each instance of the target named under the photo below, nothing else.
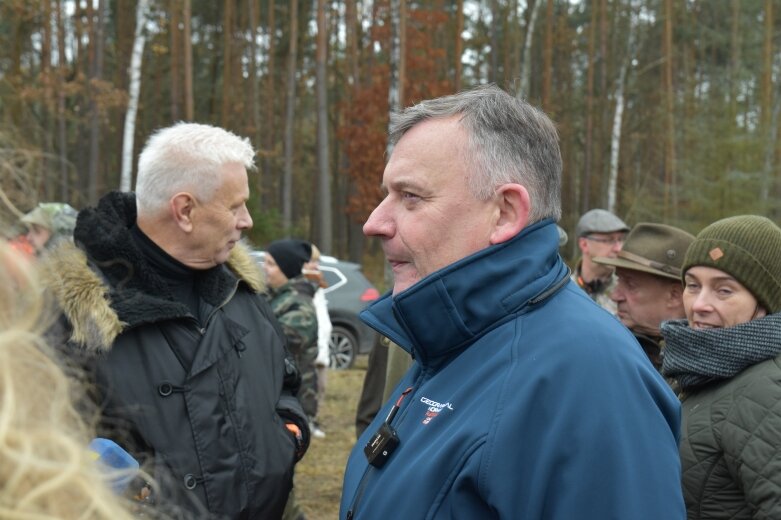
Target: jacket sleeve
(751, 446)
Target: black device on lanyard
(382, 444)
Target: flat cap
(599, 221)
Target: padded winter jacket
(526, 400)
(203, 404)
(730, 446)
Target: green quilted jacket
(731, 446)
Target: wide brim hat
(656, 249)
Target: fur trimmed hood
(105, 286)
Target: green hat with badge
(657, 249)
(746, 247)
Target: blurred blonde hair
(46, 468)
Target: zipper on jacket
(369, 470)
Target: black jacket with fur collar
(203, 403)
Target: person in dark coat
(726, 358)
(164, 310)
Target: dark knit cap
(746, 247)
(290, 255)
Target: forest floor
(319, 475)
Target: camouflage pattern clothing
(598, 290)
(292, 305)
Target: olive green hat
(657, 249)
(57, 217)
(746, 247)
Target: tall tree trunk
(227, 62)
(526, 62)
(493, 73)
(134, 89)
(62, 139)
(397, 52)
(669, 95)
(734, 59)
(189, 102)
(356, 239)
(615, 141)
(325, 238)
(395, 87)
(269, 134)
(175, 53)
(253, 15)
(95, 126)
(287, 179)
(47, 112)
(547, 57)
(585, 201)
(766, 107)
(459, 44)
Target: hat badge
(671, 254)
(715, 253)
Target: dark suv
(348, 292)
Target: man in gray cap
(649, 287)
(600, 234)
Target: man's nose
(245, 219)
(379, 222)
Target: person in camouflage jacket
(290, 295)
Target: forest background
(668, 111)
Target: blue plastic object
(119, 464)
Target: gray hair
(186, 157)
(509, 141)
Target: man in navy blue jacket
(526, 399)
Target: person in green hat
(648, 290)
(48, 223)
(726, 357)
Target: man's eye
(409, 196)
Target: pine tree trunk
(287, 179)
(134, 89)
(189, 102)
(325, 239)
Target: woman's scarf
(698, 356)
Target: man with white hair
(164, 310)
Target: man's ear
(675, 295)
(182, 205)
(513, 205)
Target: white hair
(186, 157)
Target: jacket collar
(451, 308)
(104, 286)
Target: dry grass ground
(319, 474)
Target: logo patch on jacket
(434, 408)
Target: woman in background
(726, 358)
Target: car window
(334, 277)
